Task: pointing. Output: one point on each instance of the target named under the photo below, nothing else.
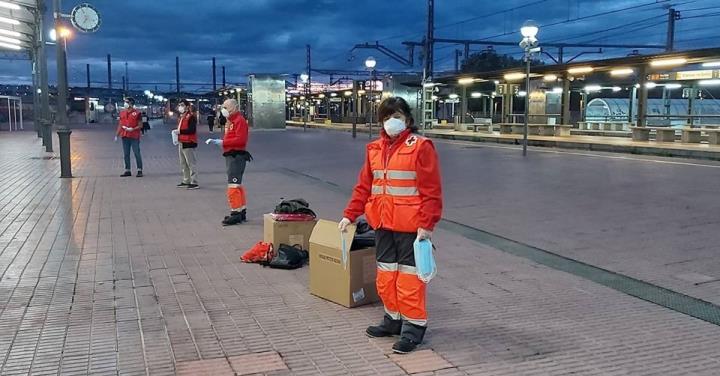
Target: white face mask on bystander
(394, 126)
(225, 112)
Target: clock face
(85, 18)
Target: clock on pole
(85, 18)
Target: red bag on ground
(259, 252)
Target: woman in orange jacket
(400, 192)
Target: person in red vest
(400, 192)
(187, 142)
(234, 144)
(129, 129)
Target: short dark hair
(130, 100)
(185, 102)
(391, 105)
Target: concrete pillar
(565, 102)
(642, 100)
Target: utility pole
(87, 94)
(109, 67)
(429, 41)
(223, 75)
(127, 78)
(458, 53)
(308, 91)
(673, 16)
(214, 75)
(177, 74)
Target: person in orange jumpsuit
(399, 190)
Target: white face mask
(181, 109)
(126, 105)
(225, 112)
(394, 126)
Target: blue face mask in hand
(424, 260)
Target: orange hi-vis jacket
(130, 117)
(399, 187)
(188, 133)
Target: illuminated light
(705, 65)
(370, 62)
(616, 88)
(361, 92)
(302, 98)
(170, 113)
(637, 86)
(550, 77)
(592, 88)
(621, 72)
(580, 70)
(557, 90)
(9, 40)
(522, 93)
(673, 86)
(9, 21)
(348, 93)
(5, 4)
(377, 101)
(529, 29)
(10, 46)
(668, 62)
(476, 95)
(65, 32)
(453, 96)
(650, 85)
(494, 93)
(434, 97)
(709, 82)
(514, 76)
(496, 82)
(321, 96)
(10, 33)
(304, 77)
(466, 81)
(333, 94)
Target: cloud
(270, 35)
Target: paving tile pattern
(102, 275)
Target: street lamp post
(529, 43)
(370, 64)
(61, 113)
(305, 77)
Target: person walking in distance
(399, 191)
(211, 120)
(187, 142)
(234, 144)
(129, 129)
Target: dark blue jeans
(131, 143)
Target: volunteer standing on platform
(187, 143)
(129, 129)
(233, 144)
(399, 191)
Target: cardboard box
(290, 233)
(350, 285)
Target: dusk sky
(269, 36)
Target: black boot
(126, 174)
(412, 336)
(235, 218)
(387, 328)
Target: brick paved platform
(129, 276)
